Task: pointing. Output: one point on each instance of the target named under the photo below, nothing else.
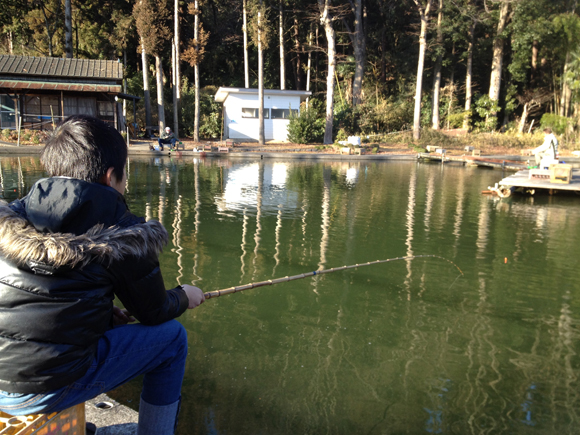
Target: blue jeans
(124, 352)
(171, 143)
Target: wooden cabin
(40, 91)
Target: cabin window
(283, 113)
(80, 106)
(41, 112)
(106, 110)
(7, 112)
(248, 112)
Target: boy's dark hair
(547, 130)
(84, 147)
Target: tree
(437, 71)
(324, 7)
(194, 55)
(469, 75)
(44, 20)
(424, 15)
(358, 39)
(176, 69)
(260, 18)
(68, 29)
(260, 35)
(13, 28)
(151, 17)
(567, 25)
(497, 60)
(245, 31)
(281, 37)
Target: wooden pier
(527, 183)
(474, 161)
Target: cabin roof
(30, 67)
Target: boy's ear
(106, 178)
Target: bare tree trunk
(261, 138)
(196, 75)
(437, 71)
(451, 86)
(49, 31)
(282, 57)
(524, 119)
(566, 91)
(177, 82)
(497, 61)
(468, 76)
(424, 14)
(10, 42)
(309, 64)
(326, 20)
(68, 29)
(174, 85)
(316, 61)
(245, 30)
(146, 94)
(298, 59)
(359, 41)
(125, 90)
(535, 51)
(160, 107)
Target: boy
(66, 250)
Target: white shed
(241, 112)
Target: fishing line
(226, 291)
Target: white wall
(248, 128)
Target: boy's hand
(194, 294)
(121, 317)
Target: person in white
(548, 149)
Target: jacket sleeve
(138, 284)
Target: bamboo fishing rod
(227, 291)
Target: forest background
(388, 70)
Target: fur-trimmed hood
(22, 243)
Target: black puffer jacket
(66, 250)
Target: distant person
(548, 149)
(67, 249)
(167, 137)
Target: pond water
(403, 347)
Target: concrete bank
(142, 149)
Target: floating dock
(526, 183)
(474, 161)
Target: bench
(345, 150)
(224, 149)
(70, 421)
(179, 144)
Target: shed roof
(223, 93)
(54, 67)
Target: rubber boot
(157, 420)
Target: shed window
(248, 112)
(80, 106)
(40, 111)
(283, 113)
(7, 112)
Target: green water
(406, 347)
